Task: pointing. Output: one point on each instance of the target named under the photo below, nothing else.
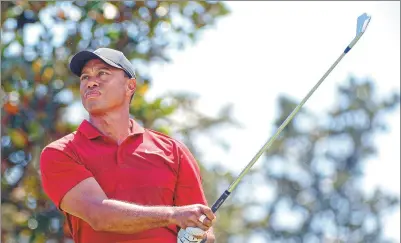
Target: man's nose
(92, 84)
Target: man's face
(103, 87)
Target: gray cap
(110, 56)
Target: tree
(38, 39)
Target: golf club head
(362, 23)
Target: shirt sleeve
(60, 173)
(189, 188)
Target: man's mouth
(92, 93)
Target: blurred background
(221, 77)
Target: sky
(266, 49)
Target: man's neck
(114, 125)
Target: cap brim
(79, 60)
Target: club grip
(220, 201)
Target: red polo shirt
(147, 168)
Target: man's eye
(101, 73)
(84, 77)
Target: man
(114, 180)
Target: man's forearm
(125, 218)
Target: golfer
(114, 180)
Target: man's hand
(194, 221)
(196, 216)
(210, 238)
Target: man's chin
(95, 111)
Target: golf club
(362, 24)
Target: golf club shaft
(362, 23)
(267, 145)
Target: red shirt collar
(92, 132)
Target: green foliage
(38, 86)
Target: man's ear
(132, 85)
